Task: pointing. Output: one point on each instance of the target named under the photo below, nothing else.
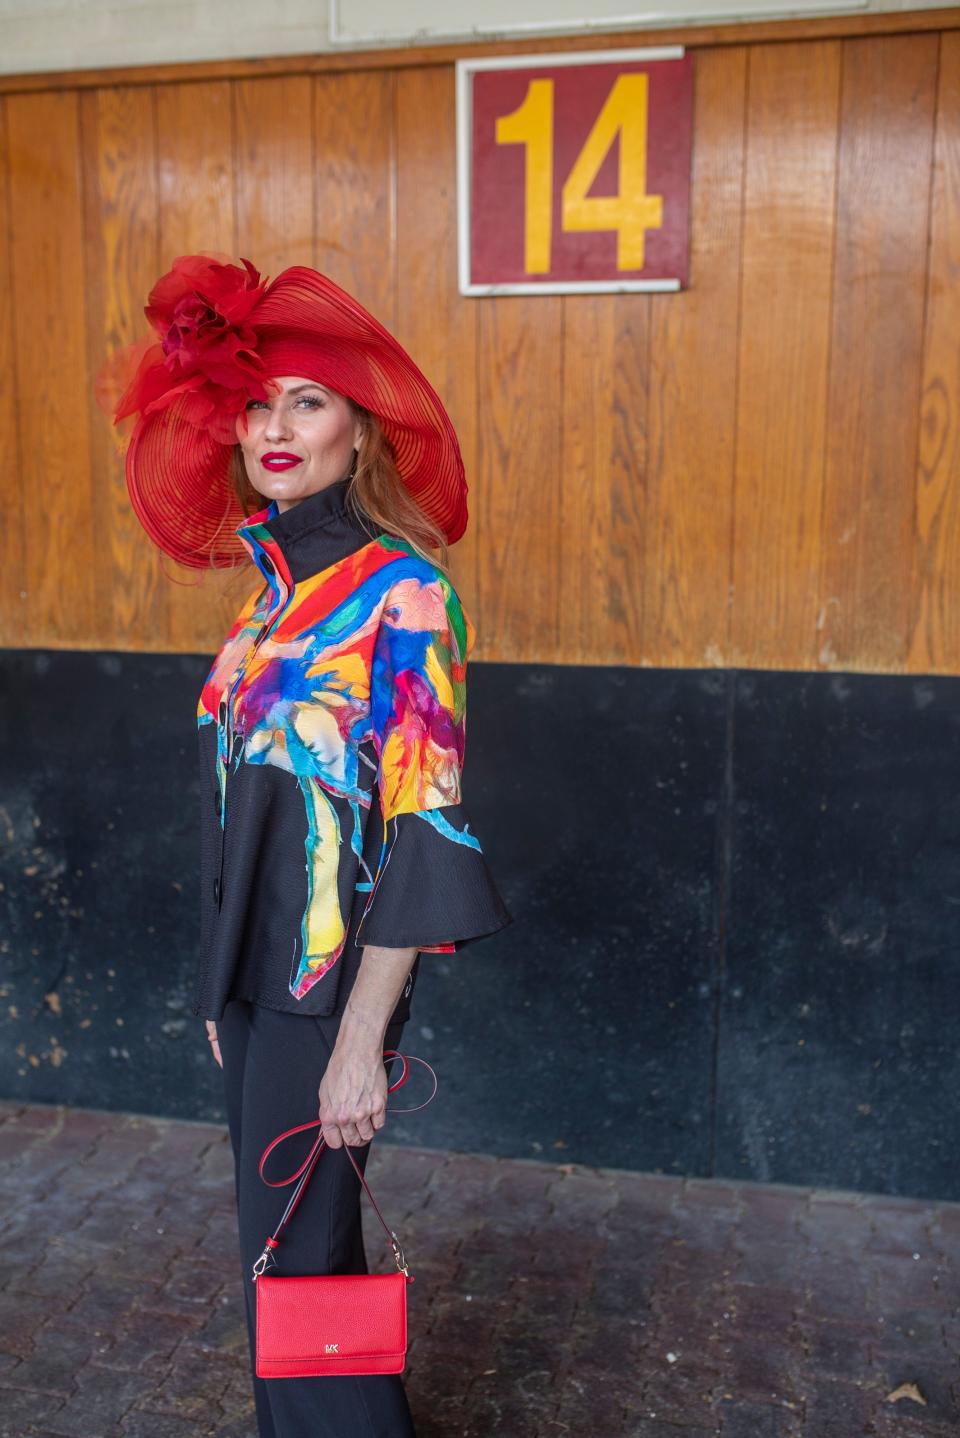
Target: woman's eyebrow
(311, 385)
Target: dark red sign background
(580, 91)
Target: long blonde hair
(375, 493)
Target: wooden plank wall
(762, 471)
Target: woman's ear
(361, 425)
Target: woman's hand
(214, 1041)
(353, 1091)
(353, 1096)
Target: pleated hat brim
(178, 475)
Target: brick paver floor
(550, 1299)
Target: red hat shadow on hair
(223, 335)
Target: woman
(334, 845)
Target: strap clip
(399, 1255)
(265, 1258)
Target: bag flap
(349, 1315)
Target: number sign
(574, 172)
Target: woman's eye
(312, 401)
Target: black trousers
(272, 1067)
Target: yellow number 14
(630, 212)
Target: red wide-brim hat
(223, 333)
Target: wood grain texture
(275, 172)
(935, 591)
(519, 459)
(61, 545)
(356, 190)
(121, 262)
(602, 477)
(435, 323)
(693, 374)
(197, 202)
(886, 139)
(784, 347)
(195, 151)
(14, 616)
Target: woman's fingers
(332, 1135)
(354, 1134)
(214, 1041)
(352, 1098)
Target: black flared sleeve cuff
(433, 890)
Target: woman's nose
(278, 426)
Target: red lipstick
(280, 459)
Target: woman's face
(298, 441)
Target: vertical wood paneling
(602, 476)
(13, 538)
(195, 169)
(275, 172)
(356, 214)
(761, 470)
(788, 233)
(122, 261)
(935, 627)
(435, 323)
(519, 463)
(62, 550)
(195, 140)
(886, 134)
(693, 370)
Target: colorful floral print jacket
(331, 733)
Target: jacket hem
(440, 938)
(265, 1004)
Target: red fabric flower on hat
(205, 361)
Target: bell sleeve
(432, 890)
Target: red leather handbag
(317, 1325)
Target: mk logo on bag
(331, 1348)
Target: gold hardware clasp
(261, 1263)
(399, 1255)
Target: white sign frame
(464, 70)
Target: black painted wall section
(736, 901)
